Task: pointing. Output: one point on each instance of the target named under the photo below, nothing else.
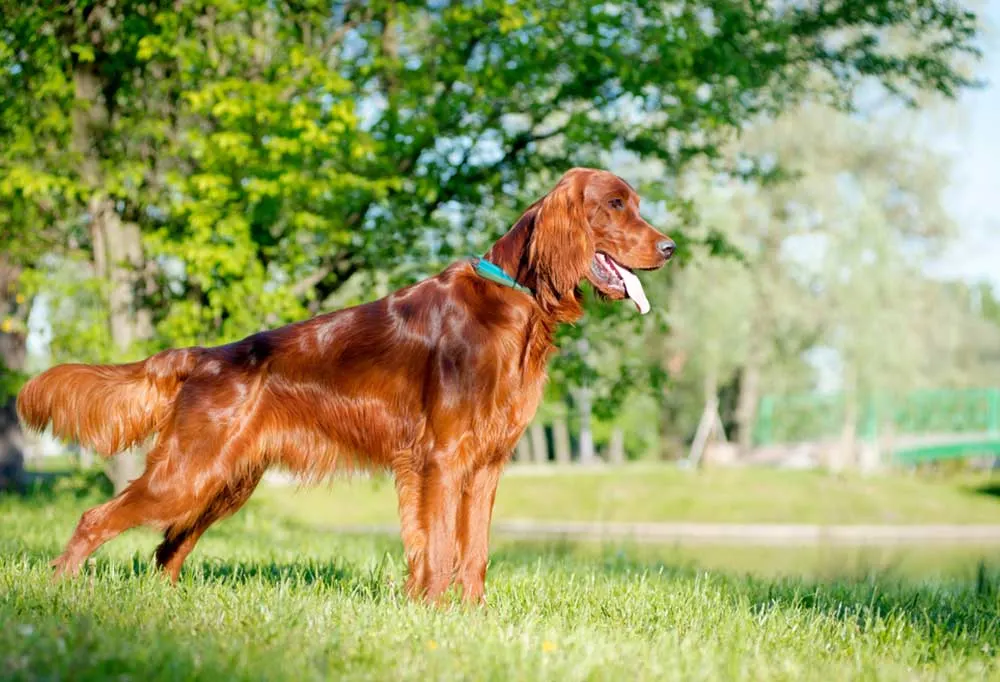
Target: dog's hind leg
(409, 488)
(132, 507)
(178, 542)
(177, 490)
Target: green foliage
(267, 168)
(263, 145)
(834, 253)
(280, 158)
(91, 486)
(10, 382)
(76, 306)
(635, 414)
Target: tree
(232, 165)
(833, 243)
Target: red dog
(435, 382)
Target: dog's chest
(518, 363)
(518, 410)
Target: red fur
(107, 408)
(435, 382)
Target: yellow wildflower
(548, 647)
(432, 645)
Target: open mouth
(616, 278)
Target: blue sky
(973, 197)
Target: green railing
(954, 423)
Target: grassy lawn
(264, 597)
(668, 494)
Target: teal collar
(494, 273)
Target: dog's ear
(562, 246)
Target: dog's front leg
(442, 494)
(474, 516)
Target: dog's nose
(666, 248)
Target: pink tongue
(633, 287)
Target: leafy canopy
(272, 151)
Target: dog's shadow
(327, 574)
(374, 582)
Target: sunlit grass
(667, 494)
(265, 598)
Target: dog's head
(587, 228)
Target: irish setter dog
(436, 382)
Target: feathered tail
(108, 408)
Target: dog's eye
(616, 204)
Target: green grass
(267, 598)
(668, 494)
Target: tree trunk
(11, 447)
(841, 455)
(13, 352)
(12, 355)
(522, 453)
(670, 446)
(616, 448)
(587, 454)
(708, 421)
(667, 429)
(539, 446)
(560, 437)
(746, 408)
(118, 259)
(117, 246)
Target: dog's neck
(511, 253)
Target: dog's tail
(108, 408)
